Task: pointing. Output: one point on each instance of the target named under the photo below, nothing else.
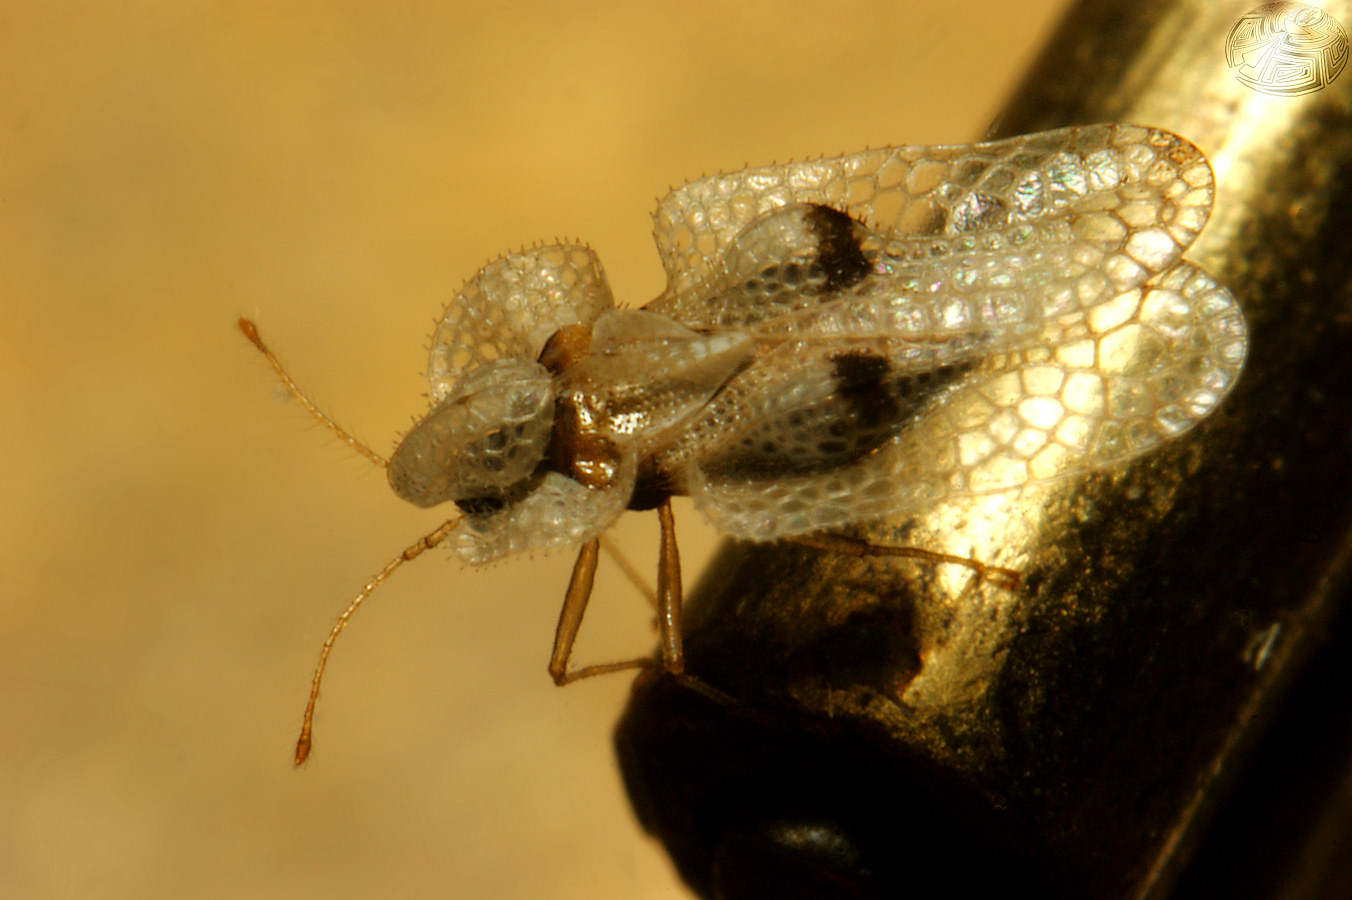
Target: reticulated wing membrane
(489, 433)
(512, 306)
(1140, 369)
(805, 439)
(556, 512)
(1120, 201)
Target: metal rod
(895, 734)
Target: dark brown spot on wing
(863, 381)
(872, 404)
(839, 252)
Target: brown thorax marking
(577, 448)
(566, 348)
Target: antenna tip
(303, 748)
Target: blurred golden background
(176, 542)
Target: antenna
(425, 543)
(251, 332)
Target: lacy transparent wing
(778, 458)
(557, 512)
(512, 306)
(1119, 203)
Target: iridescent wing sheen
(512, 306)
(1074, 215)
(819, 436)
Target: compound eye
(488, 434)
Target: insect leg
(570, 619)
(669, 593)
(251, 332)
(852, 546)
(425, 543)
(669, 604)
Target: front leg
(668, 609)
(570, 620)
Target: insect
(839, 340)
